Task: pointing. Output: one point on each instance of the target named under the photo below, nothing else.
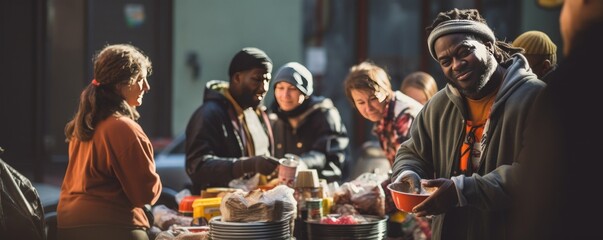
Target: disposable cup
(307, 178)
(287, 170)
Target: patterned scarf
(393, 129)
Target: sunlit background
(47, 48)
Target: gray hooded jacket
(434, 149)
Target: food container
(404, 200)
(216, 192)
(206, 208)
(327, 202)
(372, 228)
(314, 208)
(186, 205)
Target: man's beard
(252, 100)
(484, 78)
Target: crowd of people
(508, 157)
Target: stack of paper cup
(307, 179)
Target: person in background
(111, 171)
(420, 86)
(561, 165)
(307, 125)
(368, 88)
(471, 131)
(229, 136)
(540, 51)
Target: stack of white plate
(252, 230)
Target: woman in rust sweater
(111, 172)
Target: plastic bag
(364, 193)
(257, 206)
(166, 217)
(182, 234)
(182, 194)
(245, 183)
(283, 194)
(21, 212)
(370, 200)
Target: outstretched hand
(440, 201)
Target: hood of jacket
(517, 72)
(214, 90)
(310, 105)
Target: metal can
(327, 202)
(314, 208)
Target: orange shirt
(109, 178)
(479, 111)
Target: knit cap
(249, 58)
(471, 27)
(537, 43)
(297, 75)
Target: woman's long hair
(114, 66)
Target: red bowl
(404, 200)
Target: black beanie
(249, 58)
(297, 75)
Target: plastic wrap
(21, 212)
(257, 206)
(166, 217)
(364, 193)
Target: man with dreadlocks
(469, 133)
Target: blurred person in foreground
(470, 132)
(20, 203)
(307, 125)
(368, 88)
(540, 51)
(420, 86)
(229, 137)
(561, 165)
(111, 171)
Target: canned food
(314, 208)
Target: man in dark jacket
(229, 136)
(469, 130)
(307, 125)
